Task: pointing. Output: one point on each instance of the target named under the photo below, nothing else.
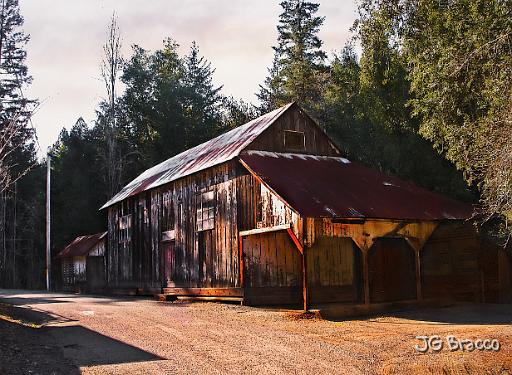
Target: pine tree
(297, 72)
(18, 198)
(16, 151)
(203, 100)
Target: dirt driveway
(66, 333)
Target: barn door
(392, 270)
(205, 258)
(272, 269)
(95, 271)
(168, 262)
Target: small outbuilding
(272, 213)
(83, 263)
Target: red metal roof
(216, 151)
(81, 245)
(318, 186)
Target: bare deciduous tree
(111, 66)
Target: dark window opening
(294, 140)
(168, 218)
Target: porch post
(304, 280)
(366, 277)
(419, 295)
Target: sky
(66, 38)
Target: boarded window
(167, 211)
(125, 228)
(205, 214)
(294, 140)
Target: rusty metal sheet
(318, 186)
(216, 151)
(81, 245)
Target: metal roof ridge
(290, 155)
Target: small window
(167, 211)
(143, 213)
(205, 210)
(125, 228)
(294, 140)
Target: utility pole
(48, 165)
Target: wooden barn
(271, 213)
(83, 263)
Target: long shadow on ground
(29, 345)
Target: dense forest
(429, 98)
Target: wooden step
(205, 292)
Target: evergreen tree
(78, 188)
(17, 152)
(14, 73)
(458, 61)
(298, 71)
(344, 113)
(202, 99)
(19, 208)
(236, 113)
(170, 103)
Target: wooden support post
(304, 280)
(241, 259)
(419, 295)
(366, 277)
(302, 250)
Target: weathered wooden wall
(334, 271)
(96, 278)
(98, 249)
(272, 269)
(79, 264)
(259, 207)
(316, 141)
(458, 264)
(67, 271)
(207, 258)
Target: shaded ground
(26, 347)
(100, 335)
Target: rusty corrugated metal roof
(318, 186)
(216, 151)
(81, 245)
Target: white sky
(65, 49)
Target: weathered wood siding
(207, 258)
(67, 271)
(79, 266)
(259, 207)
(334, 271)
(247, 201)
(98, 249)
(273, 139)
(96, 279)
(273, 269)
(449, 263)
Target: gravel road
(103, 335)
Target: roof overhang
(334, 187)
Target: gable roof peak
(216, 151)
